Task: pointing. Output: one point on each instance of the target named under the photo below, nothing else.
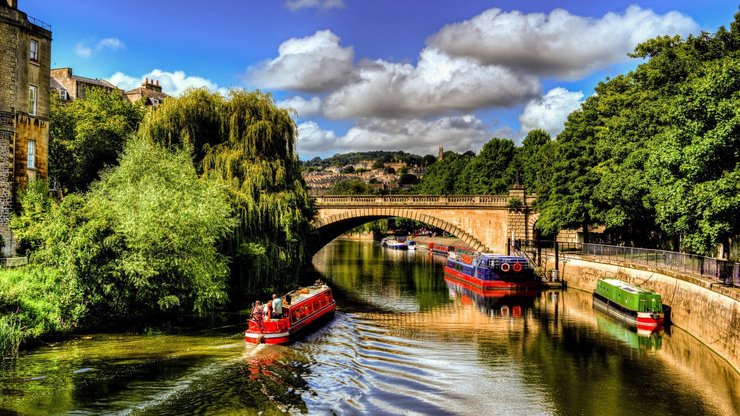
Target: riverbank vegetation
(202, 204)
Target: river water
(403, 341)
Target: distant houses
(150, 91)
(70, 87)
(384, 177)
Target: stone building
(25, 57)
(71, 87)
(150, 90)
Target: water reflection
(403, 341)
(492, 302)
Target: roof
(53, 83)
(93, 81)
(147, 93)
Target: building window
(63, 95)
(34, 52)
(31, 154)
(32, 100)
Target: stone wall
(17, 126)
(518, 224)
(710, 314)
(8, 59)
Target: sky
(376, 75)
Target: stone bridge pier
(482, 221)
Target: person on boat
(257, 313)
(277, 306)
(267, 310)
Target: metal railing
(39, 23)
(723, 271)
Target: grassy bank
(35, 302)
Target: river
(403, 341)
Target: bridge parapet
(500, 201)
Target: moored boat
(303, 309)
(635, 306)
(393, 243)
(491, 271)
(442, 249)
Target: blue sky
(376, 75)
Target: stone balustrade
(500, 201)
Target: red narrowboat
(303, 309)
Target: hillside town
(380, 176)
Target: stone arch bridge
(482, 221)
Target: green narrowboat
(632, 304)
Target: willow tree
(248, 143)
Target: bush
(36, 302)
(141, 242)
(515, 203)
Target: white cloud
(173, 83)
(83, 50)
(559, 43)
(438, 84)
(457, 133)
(302, 106)
(110, 43)
(313, 63)
(294, 5)
(550, 112)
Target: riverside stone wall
(708, 312)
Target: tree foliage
(654, 155)
(247, 143)
(490, 172)
(441, 177)
(142, 241)
(87, 135)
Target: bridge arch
(484, 222)
(335, 225)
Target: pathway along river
(403, 342)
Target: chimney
(158, 83)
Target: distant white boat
(391, 242)
(411, 245)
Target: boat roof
(501, 257)
(304, 293)
(624, 285)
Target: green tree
(248, 144)
(653, 154)
(490, 172)
(349, 187)
(533, 160)
(695, 162)
(142, 241)
(441, 177)
(87, 135)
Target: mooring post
(557, 255)
(508, 246)
(539, 252)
